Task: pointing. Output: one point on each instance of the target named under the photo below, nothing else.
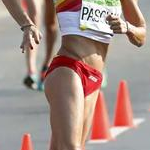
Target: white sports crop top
(87, 17)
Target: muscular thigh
(64, 91)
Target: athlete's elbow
(140, 42)
(142, 39)
(137, 38)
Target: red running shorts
(90, 77)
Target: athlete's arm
(14, 8)
(134, 26)
(136, 22)
(31, 34)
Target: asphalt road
(23, 110)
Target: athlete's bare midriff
(89, 51)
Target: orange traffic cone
(100, 126)
(26, 142)
(123, 112)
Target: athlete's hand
(31, 37)
(117, 24)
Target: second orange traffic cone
(123, 112)
(101, 126)
(26, 142)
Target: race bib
(94, 12)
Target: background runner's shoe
(40, 86)
(31, 82)
(42, 77)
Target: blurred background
(23, 110)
